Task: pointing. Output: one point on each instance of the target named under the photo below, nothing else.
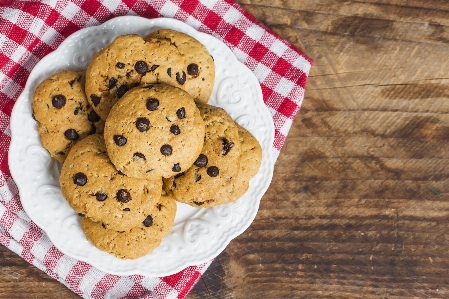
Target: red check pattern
(30, 30)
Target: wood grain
(358, 206)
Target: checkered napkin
(30, 30)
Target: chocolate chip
(166, 150)
(126, 209)
(120, 173)
(71, 134)
(198, 203)
(227, 146)
(80, 179)
(212, 171)
(179, 175)
(77, 110)
(112, 83)
(81, 214)
(95, 99)
(120, 65)
(159, 206)
(201, 161)
(154, 67)
(141, 67)
(152, 104)
(140, 155)
(181, 79)
(176, 168)
(197, 177)
(181, 113)
(193, 69)
(169, 71)
(93, 117)
(71, 82)
(174, 129)
(128, 74)
(58, 101)
(120, 140)
(142, 124)
(148, 221)
(123, 195)
(101, 196)
(104, 225)
(122, 90)
(93, 129)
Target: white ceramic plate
(198, 235)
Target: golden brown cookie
(215, 166)
(140, 240)
(63, 113)
(127, 61)
(154, 130)
(199, 63)
(93, 187)
(249, 166)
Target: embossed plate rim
(38, 187)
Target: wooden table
(359, 205)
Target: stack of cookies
(135, 134)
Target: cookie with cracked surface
(154, 130)
(124, 63)
(63, 113)
(200, 67)
(250, 161)
(215, 166)
(141, 239)
(93, 187)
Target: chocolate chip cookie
(154, 130)
(123, 64)
(140, 240)
(93, 187)
(63, 113)
(199, 63)
(215, 166)
(250, 160)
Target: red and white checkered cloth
(30, 30)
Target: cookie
(63, 113)
(215, 166)
(154, 130)
(199, 63)
(140, 240)
(250, 160)
(93, 187)
(121, 66)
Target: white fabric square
(150, 282)
(232, 15)
(18, 229)
(64, 265)
(169, 9)
(41, 247)
(284, 87)
(70, 10)
(11, 88)
(111, 4)
(193, 22)
(241, 56)
(302, 64)
(92, 22)
(261, 72)
(286, 126)
(90, 279)
(255, 32)
(278, 48)
(50, 36)
(209, 3)
(120, 289)
(272, 111)
(5, 193)
(15, 247)
(36, 26)
(2, 39)
(11, 15)
(30, 61)
(18, 53)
